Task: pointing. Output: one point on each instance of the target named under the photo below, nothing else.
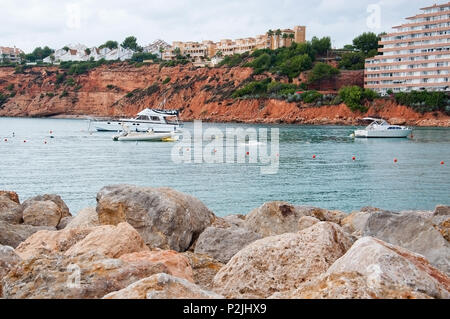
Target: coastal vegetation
(322, 71)
(425, 101)
(355, 96)
(3, 99)
(364, 46)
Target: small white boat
(160, 121)
(149, 136)
(379, 128)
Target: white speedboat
(149, 136)
(158, 121)
(380, 128)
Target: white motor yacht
(149, 136)
(158, 121)
(380, 128)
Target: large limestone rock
(224, 243)
(351, 285)
(86, 217)
(177, 264)
(388, 266)
(64, 222)
(276, 218)
(87, 263)
(10, 210)
(283, 262)
(8, 259)
(235, 220)
(413, 231)
(273, 218)
(204, 269)
(12, 234)
(441, 220)
(56, 199)
(47, 242)
(60, 277)
(306, 222)
(163, 286)
(11, 195)
(163, 217)
(42, 213)
(110, 241)
(355, 222)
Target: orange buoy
(395, 160)
(442, 163)
(314, 156)
(354, 158)
(248, 153)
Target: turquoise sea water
(76, 164)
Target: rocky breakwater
(157, 243)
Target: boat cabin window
(142, 117)
(155, 118)
(171, 120)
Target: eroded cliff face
(199, 93)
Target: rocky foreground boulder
(223, 243)
(44, 210)
(86, 217)
(13, 234)
(87, 263)
(8, 260)
(204, 268)
(164, 218)
(421, 232)
(281, 263)
(388, 265)
(276, 218)
(10, 208)
(413, 231)
(163, 286)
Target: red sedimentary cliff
(199, 93)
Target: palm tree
(278, 34)
(285, 37)
(270, 33)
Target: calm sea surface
(76, 164)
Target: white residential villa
(80, 52)
(156, 47)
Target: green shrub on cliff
(234, 60)
(281, 88)
(3, 99)
(322, 71)
(311, 96)
(355, 96)
(424, 101)
(253, 88)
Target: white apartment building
(416, 56)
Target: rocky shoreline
(121, 90)
(157, 243)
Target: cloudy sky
(30, 23)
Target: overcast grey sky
(30, 23)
